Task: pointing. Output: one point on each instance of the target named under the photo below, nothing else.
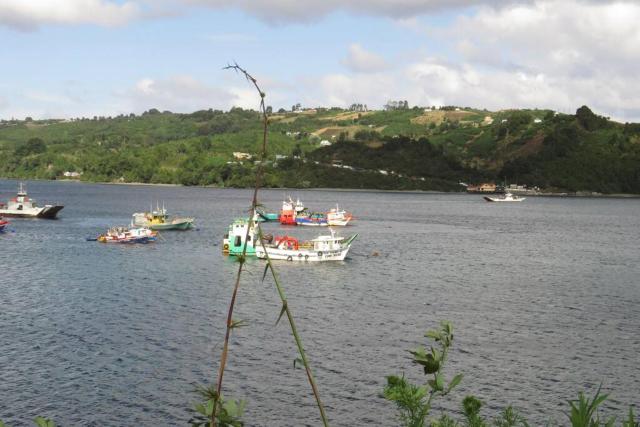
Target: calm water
(544, 295)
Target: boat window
(238, 241)
(249, 239)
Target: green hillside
(397, 149)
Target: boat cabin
(234, 239)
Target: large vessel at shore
(22, 206)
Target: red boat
(3, 224)
(290, 211)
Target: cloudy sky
(71, 58)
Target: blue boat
(312, 220)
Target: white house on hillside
(242, 156)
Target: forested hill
(400, 148)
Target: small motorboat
(322, 248)
(338, 217)
(127, 235)
(3, 224)
(507, 197)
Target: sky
(82, 58)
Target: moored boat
(266, 216)
(22, 206)
(159, 220)
(127, 235)
(507, 197)
(322, 248)
(3, 224)
(233, 242)
(312, 220)
(339, 217)
(290, 211)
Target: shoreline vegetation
(582, 194)
(398, 148)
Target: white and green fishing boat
(233, 242)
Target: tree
(32, 146)
(269, 109)
(589, 120)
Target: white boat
(322, 248)
(22, 206)
(507, 197)
(338, 217)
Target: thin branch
(242, 258)
(294, 331)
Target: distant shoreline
(582, 194)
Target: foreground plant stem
(294, 330)
(242, 259)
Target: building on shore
(486, 187)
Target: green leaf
(238, 324)
(231, 407)
(199, 407)
(43, 422)
(436, 354)
(282, 311)
(433, 335)
(209, 409)
(454, 382)
(299, 361)
(439, 381)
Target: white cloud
(587, 51)
(362, 61)
(178, 94)
(288, 11)
(185, 94)
(28, 15)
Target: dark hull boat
(22, 206)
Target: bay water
(544, 296)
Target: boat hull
(311, 223)
(302, 254)
(129, 241)
(338, 222)
(46, 212)
(185, 225)
(497, 200)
